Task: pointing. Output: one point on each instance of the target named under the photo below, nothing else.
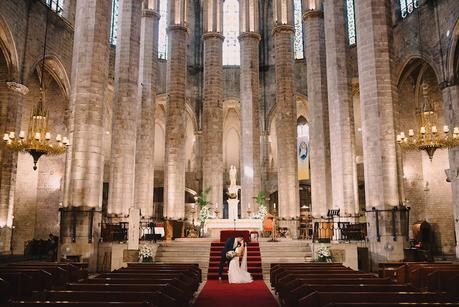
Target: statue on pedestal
(233, 190)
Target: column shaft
(174, 181)
(377, 98)
(286, 123)
(212, 129)
(451, 106)
(125, 109)
(341, 116)
(89, 80)
(144, 159)
(318, 105)
(250, 121)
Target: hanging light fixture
(37, 142)
(427, 138)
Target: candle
(274, 205)
(434, 129)
(65, 140)
(48, 136)
(445, 129)
(456, 130)
(423, 130)
(402, 135)
(37, 135)
(411, 132)
(11, 136)
(399, 138)
(58, 138)
(6, 137)
(22, 134)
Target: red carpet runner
(253, 261)
(222, 294)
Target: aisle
(222, 294)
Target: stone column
(11, 121)
(89, 80)
(283, 32)
(126, 106)
(250, 104)
(450, 93)
(318, 106)
(378, 95)
(148, 70)
(341, 115)
(212, 125)
(174, 173)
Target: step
(213, 276)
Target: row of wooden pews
(22, 279)
(425, 276)
(139, 284)
(332, 284)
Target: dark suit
(228, 246)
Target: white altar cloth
(213, 226)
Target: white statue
(232, 174)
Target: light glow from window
(231, 48)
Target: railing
(118, 231)
(332, 229)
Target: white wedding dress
(238, 274)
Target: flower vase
(147, 259)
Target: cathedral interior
(122, 116)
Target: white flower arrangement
(146, 253)
(323, 254)
(204, 214)
(262, 211)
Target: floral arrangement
(204, 214)
(323, 254)
(146, 253)
(262, 210)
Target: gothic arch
(162, 99)
(452, 57)
(8, 47)
(407, 63)
(54, 66)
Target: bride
(238, 274)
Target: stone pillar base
(80, 235)
(5, 240)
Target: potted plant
(323, 254)
(146, 253)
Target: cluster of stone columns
(89, 80)
(174, 177)
(148, 71)
(212, 128)
(318, 105)
(283, 32)
(250, 104)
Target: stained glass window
(162, 35)
(231, 48)
(407, 7)
(55, 6)
(351, 33)
(114, 22)
(298, 11)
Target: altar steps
(254, 265)
(185, 251)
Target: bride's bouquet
(323, 254)
(230, 255)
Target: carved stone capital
(18, 87)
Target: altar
(213, 227)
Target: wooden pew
(294, 296)
(418, 276)
(79, 304)
(318, 299)
(390, 304)
(157, 298)
(36, 280)
(343, 275)
(192, 283)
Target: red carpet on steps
(253, 261)
(222, 294)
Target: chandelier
(37, 142)
(428, 138)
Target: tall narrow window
(114, 22)
(162, 35)
(298, 16)
(351, 33)
(231, 48)
(407, 7)
(56, 6)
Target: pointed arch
(9, 50)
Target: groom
(228, 247)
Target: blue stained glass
(351, 32)
(162, 35)
(114, 22)
(298, 16)
(407, 7)
(231, 48)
